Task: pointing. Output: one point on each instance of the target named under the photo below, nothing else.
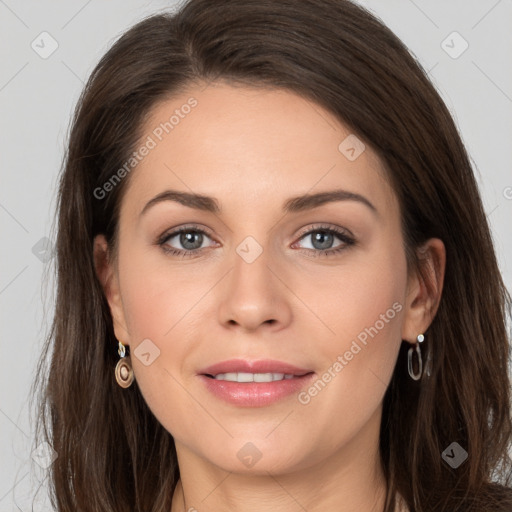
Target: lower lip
(255, 394)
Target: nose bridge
(250, 249)
(252, 237)
(251, 263)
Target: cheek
(358, 295)
(165, 315)
(158, 296)
(365, 312)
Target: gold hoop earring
(124, 370)
(410, 353)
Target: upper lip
(261, 366)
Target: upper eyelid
(176, 231)
(323, 227)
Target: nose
(254, 294)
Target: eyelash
(341, 234)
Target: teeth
(252, 377)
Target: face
(256, 275)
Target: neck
(351, 478)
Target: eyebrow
(292, 205)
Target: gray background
(37, 96)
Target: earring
(428, 363)
(417, 349)
(124, 371)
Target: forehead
(251, 148)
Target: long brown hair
(113, 455)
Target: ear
(424, 289)
(109, 279)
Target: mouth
(252, 371)
(254, 377)
(254, 383)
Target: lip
(261, 366)
(255, 394)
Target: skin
(253, 149)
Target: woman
(277, 289)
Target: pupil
(187, 239)
(324, 238)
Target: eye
(323, 237)
(190, 238)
